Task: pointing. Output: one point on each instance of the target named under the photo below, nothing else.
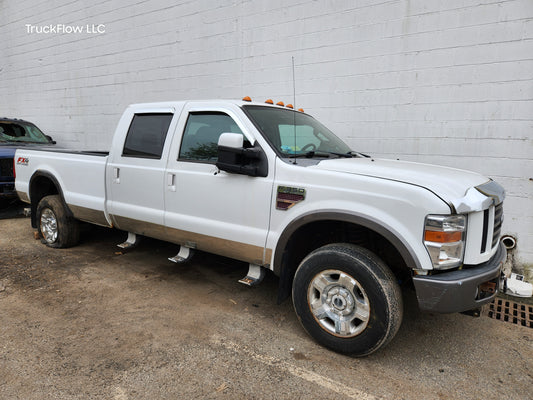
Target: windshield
(293, 133)
(18, 131)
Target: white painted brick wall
(446, 82)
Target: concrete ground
(92, 322)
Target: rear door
(135, 174)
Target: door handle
(171, 182)
(116, 175)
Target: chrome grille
(498, 220)
(494, 236)
(485, 233)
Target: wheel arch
(42, 184)
(314, 230)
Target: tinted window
(146, 136)
(200, 138)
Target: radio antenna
(294, 105)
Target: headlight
(444, 237)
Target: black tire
(347, 299)
(56, 228)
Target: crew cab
(16, 133)
(273, 187)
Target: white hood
(450, 184)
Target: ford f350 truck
(272, 186)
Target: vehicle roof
(179, 104)
(5, 119)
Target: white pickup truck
(273, 187)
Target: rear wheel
(56, 228)
(347, 299)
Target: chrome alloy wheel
(338, 303)
(49, 225)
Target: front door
(209, 209)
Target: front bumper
(461, 290)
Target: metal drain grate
(509, 311)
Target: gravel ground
(96, 322)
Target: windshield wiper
(350, 154)
(357, 154)
(342, 155)
(311, 154)
(327, 154)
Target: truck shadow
(11, 208)
(437, 339)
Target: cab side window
(146, 135)
(200, 138)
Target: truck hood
(450, 184)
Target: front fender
(282, 267)
(382, 229)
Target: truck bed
(82, 175)
(98, 153)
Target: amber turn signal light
(442, 237)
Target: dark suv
(16, 133)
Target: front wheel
(347, 299)
(56, 227)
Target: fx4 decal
(23, 161)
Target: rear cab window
(146, 135)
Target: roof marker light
(269, 101)
(289, 106)
(280, 103)
(301, 109)
(246, 98)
